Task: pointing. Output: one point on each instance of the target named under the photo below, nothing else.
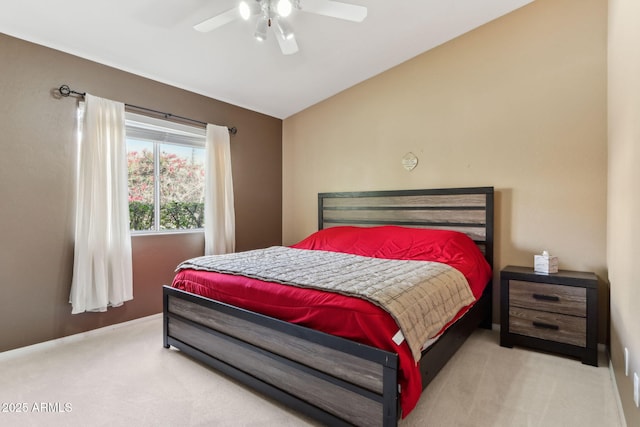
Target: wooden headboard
(467, 210)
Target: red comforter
(344, 316)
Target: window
(166, 174)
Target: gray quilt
(421, 296)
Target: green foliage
(140, 216)
(181, 215)
(173, 216)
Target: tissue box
(545, 264)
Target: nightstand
(556, 312)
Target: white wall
(623, 231)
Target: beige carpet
(124, 377)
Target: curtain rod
(66, 91)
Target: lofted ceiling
(156, 39)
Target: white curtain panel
(219, 212)
(102, 268)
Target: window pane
(181, 187)
(141, 182)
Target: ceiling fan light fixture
(272, 13)
(248, 9)
(261, 28)
(245, 10)
(284, 8)
(285, 30)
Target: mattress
(346, 316)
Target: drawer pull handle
(546, 297)
(545, 326)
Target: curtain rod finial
(233, 130)
(64, 90)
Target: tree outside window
(166, 186)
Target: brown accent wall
(37, 164)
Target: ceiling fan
(273, 13)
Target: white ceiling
(155, 39)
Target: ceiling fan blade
(287, 46)
(217, 21)
(334, 9)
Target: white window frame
(162, 131)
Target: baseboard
(22, 351)
(616, 395)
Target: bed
(331, 378)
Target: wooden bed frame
(331, 379)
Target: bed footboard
(331, 379)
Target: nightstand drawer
(563, 299)
(548, 326)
